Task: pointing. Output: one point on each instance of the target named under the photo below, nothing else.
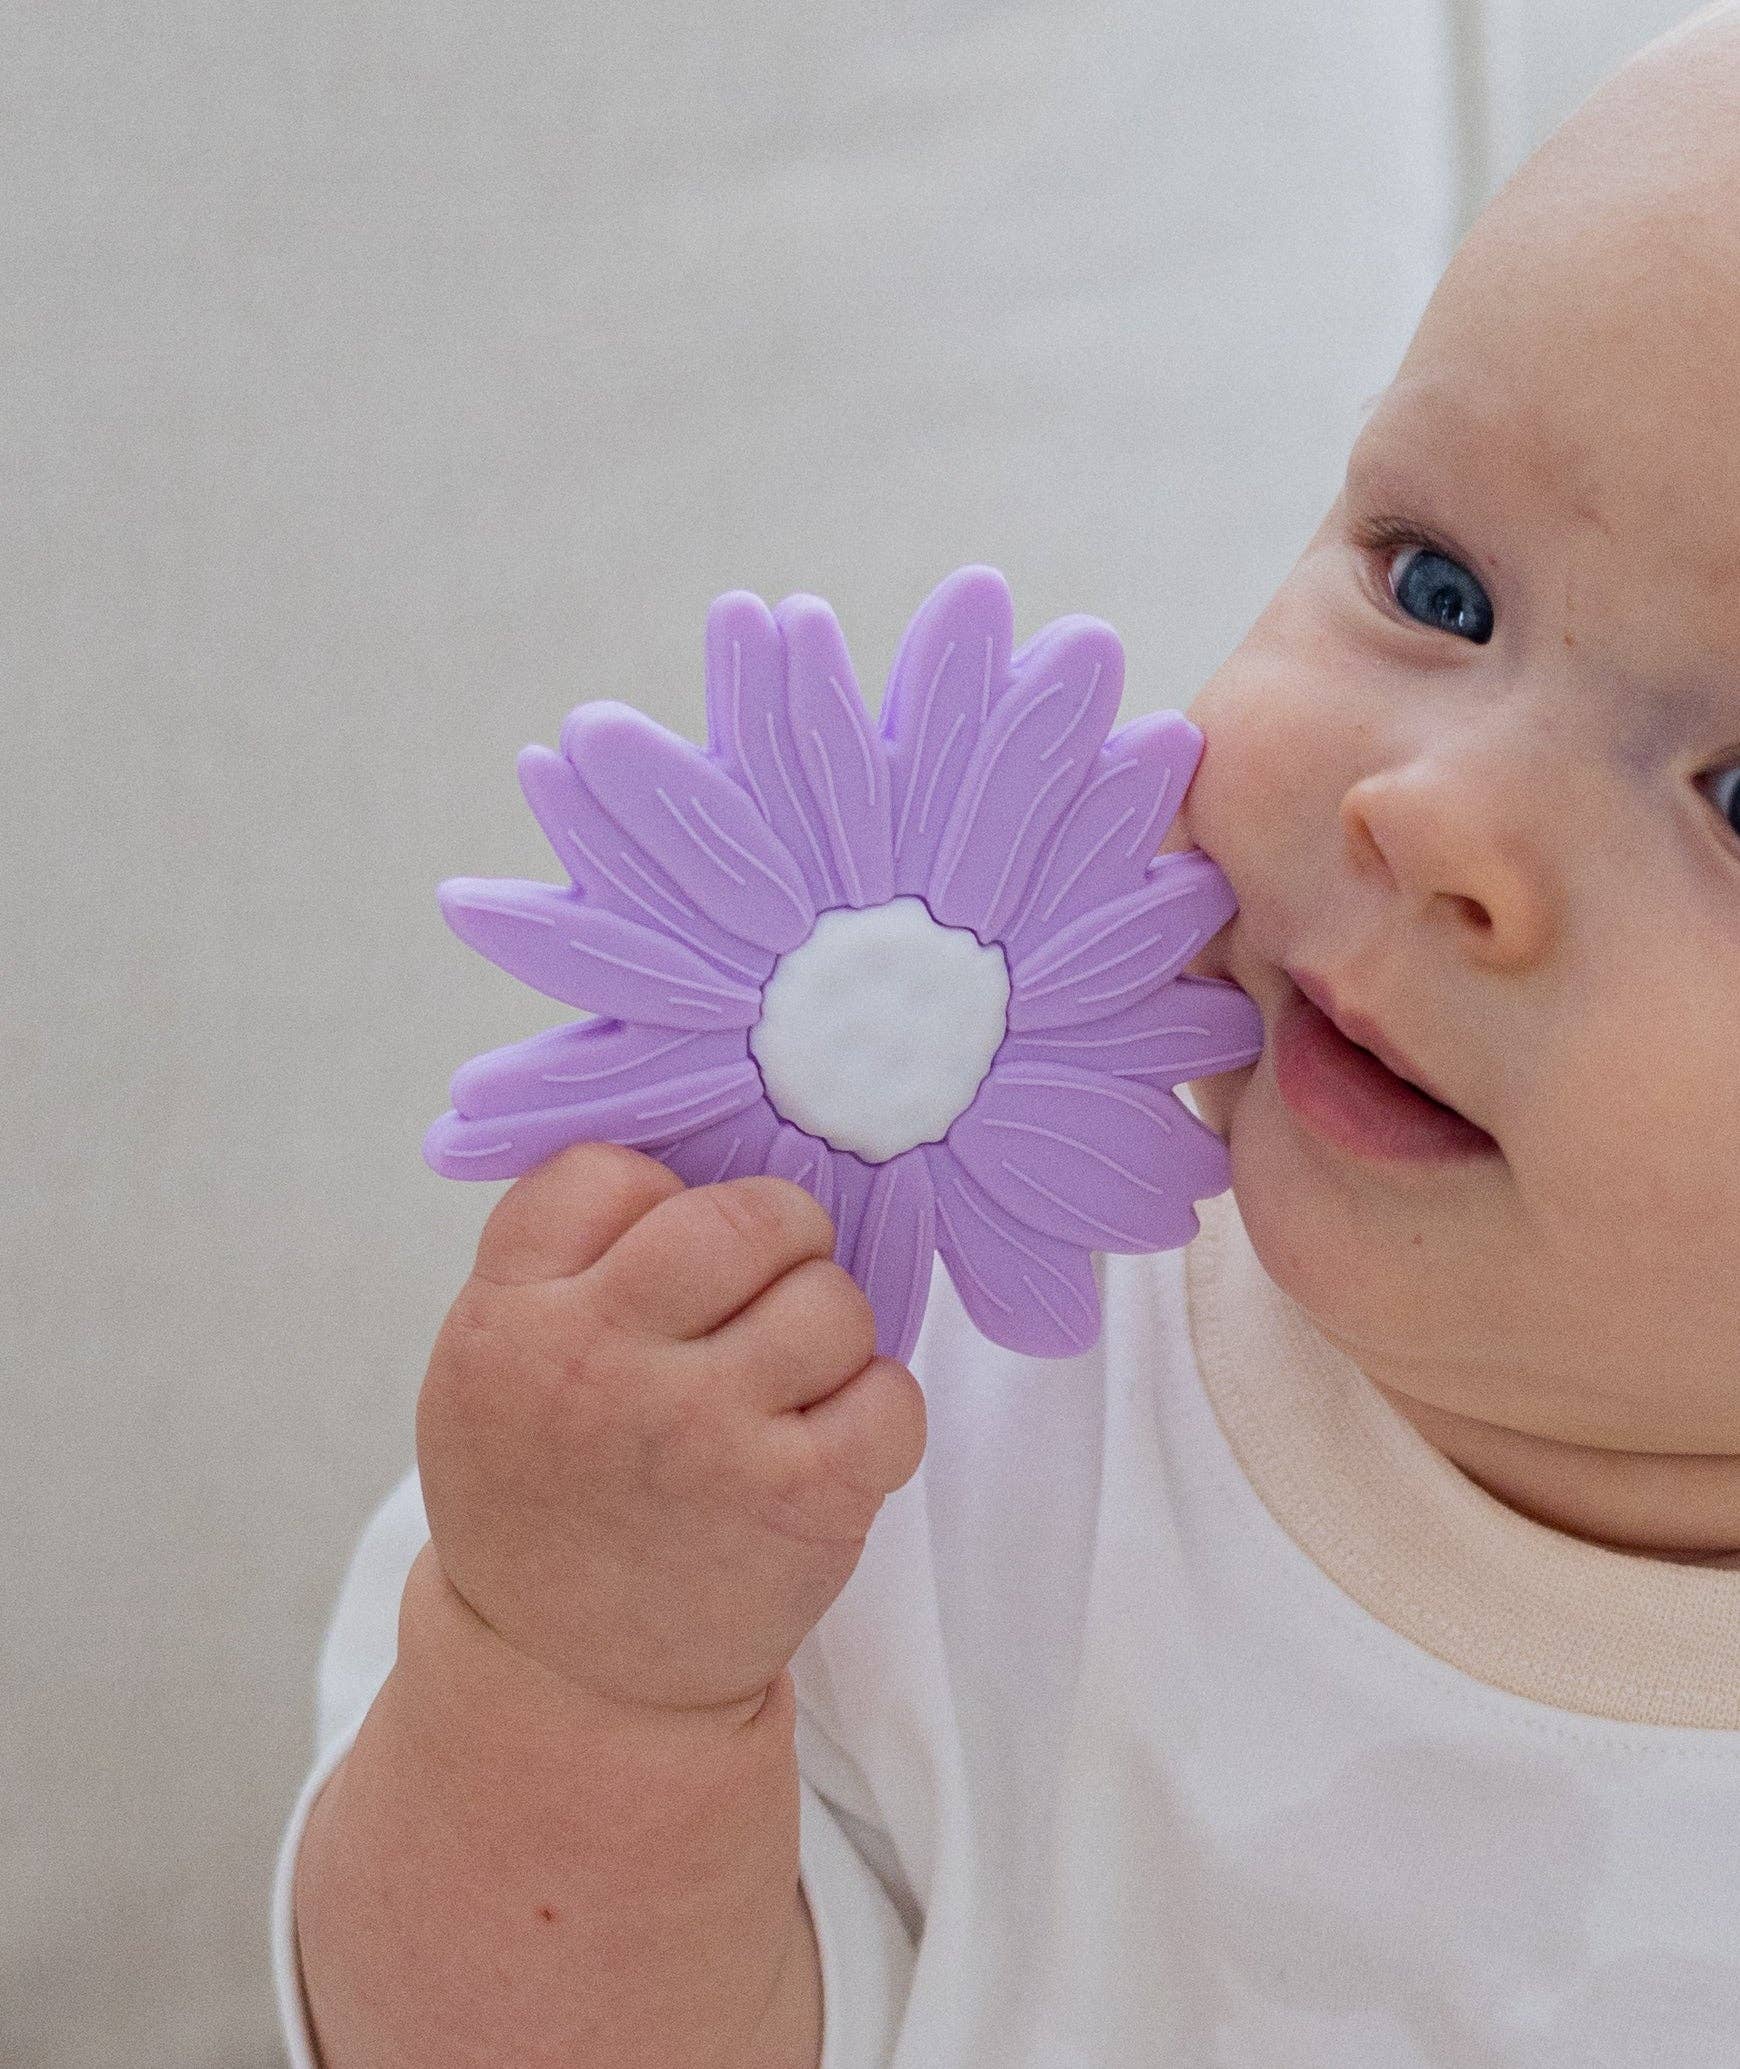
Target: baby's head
(1494, 798)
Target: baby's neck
(1665, 1504)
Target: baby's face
(1494, 797)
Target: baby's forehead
(1580, 351)
(1603, 509)
(1610, 405)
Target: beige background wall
(379, 381)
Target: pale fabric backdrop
(380, 381)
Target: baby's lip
(1366, 1033)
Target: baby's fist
(654, 1431)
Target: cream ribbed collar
(1420, 1545)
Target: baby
(1476, 770)
(1339, 1665)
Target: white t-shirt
(1188, 1709)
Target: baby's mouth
(1326, 1070)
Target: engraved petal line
(1072, 1208)
(1029, 1074)
(1093, 684)
(1057, 775)
(1099, 1156)
(1092, 855)
(854, 709)
(1007, 1230)
(482, 902)
(717, 1081)
(937, 768)
(1068, 974)
(712, 854)
(743, 760)
(962, 842)
(842, 845)
(1160, 801)
(755, 862)
(736, 1145)
(1192, 943)
(603, 955)
(927, 707)
(800, 807)
(880, 1229)
(960, 1258)
(1061, 1040)
(1136, 984)
(663, 919)
(921, 1176)
(712, 954)
(1057, 1319)
(611, 1070)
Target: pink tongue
(1381, 1075)
(1385, 1084)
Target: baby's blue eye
(1440, 592)
(1730, 810)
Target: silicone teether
(927, 969)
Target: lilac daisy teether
(926, 969)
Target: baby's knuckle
(766, 1215)
(604, 1182)
(474, 1321)
(475, 1358)
(625, 1179)
(851, 1320)
(839, 1320)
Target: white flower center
(876, 1031)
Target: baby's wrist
(467, 1677)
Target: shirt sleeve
(361, 1643)
(867, 1953)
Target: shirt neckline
(1424, 1548)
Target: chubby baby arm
(652, 1439)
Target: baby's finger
(706, 1252)
(562, 1216)
(797, 1340)
(835, 1464)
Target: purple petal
(732, 1148)
(1109, 835)
(892, 1249)
(951, 665)
(749, 732)
(852, 1182)
(586, 1059)
(505, 1145)
(1119, 953)
(1193, 1027)
(1098, 1161)
(666, 794)
(617, 874)
(842, 758)
(560, 945)
(805, 1160)
(1026, 1291)
(1030, 761)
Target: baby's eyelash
(1378, 534)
